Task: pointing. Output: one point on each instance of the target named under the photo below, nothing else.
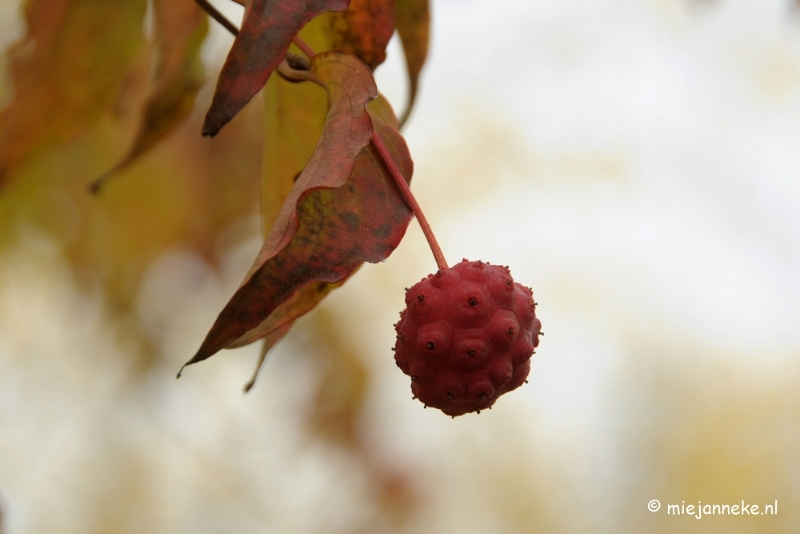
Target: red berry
(466, 337)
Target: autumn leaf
(413, 25)
(364, 29)
(274, 327)
(67, 73)
(267, 30)
(180, 27)
(344, 209)
(294, 115)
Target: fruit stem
(408, 196)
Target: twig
(214, 13)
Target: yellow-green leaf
(180, 27)
(67, 72)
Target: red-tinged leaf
(364, 29)
(295, 115)
(180, 27)
(413, 25)
(278, 323)
(68, 72)
(267, 30)
(300, 303)
(344, 209)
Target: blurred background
(635, 161)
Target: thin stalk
(408, 197)
(219, 17)
(302, 45)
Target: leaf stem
(408, 196)
(302, 45)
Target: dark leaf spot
(382, 232)
(349, 218)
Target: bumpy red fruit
(466, 337)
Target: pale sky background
(635, 161)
